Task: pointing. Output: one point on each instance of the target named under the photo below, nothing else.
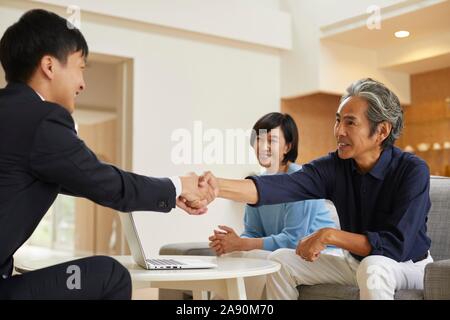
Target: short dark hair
(36, 34)
(288, 127)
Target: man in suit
(381, 195)
(43, 57)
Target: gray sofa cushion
(340, 292)
(328, 292)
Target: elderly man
(381, 195)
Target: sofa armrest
(187, 248)
(437, 280)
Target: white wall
(223, 87)
(180, 77)
(340, 65)
(300, 66)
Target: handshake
(197, 192)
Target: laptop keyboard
(165, 263)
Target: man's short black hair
(36, 34)
(288, 127)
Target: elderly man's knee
(280, 255)
(374, 269)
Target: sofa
(437, 274)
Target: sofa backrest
(439, 218)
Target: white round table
(227, 280)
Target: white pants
(377, 277)
(255, 287)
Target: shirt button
(4, 276)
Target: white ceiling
(424, 65)
(420, 23)
(423, 24)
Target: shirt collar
(379, 170)
(42, 98)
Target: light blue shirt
(283, 225)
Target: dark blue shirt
(389, 204)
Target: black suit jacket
(41, 156)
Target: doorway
(103, 118)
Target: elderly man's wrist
(327, 236)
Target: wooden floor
(145, 294)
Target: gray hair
(383, 105)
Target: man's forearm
(355, 243)
(238, 190)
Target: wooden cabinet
(427, 120)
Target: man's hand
(208, 179)
(236, 190)
(197, 193)
(225, 240)
(181, 203)
(309, 248)
(193, 198)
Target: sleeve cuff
(177, 184)
(255, 181)
(269, 244)
(375, 242)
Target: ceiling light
(402, 34)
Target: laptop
(137, 251)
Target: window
(57, 228)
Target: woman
(268, 228)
